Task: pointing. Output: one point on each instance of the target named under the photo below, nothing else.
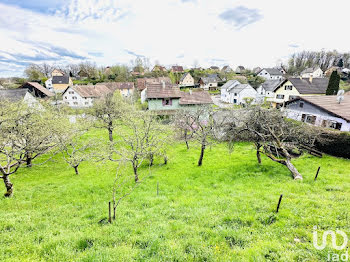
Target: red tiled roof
(92, 91)
(195, 98)
(41, 88)
(330, 104)
(118, 85)
(158, 90)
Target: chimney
(190, 91)
(163, 84)
(310, 79)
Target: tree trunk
(293, 170)
(200, 161)
(258, 156)
(110, 132)
(151, 158)
(135, 174)
(29, 160)
(165, 160)
(188, 147)
(8, 185)
(76, 170)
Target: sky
(185, 32)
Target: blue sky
(235, 32)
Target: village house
(330, 70)
(208, 83)
(19, 95)
(227, 69)
(84, 96)
(240, 69)
(324, 111)
(186, 80)
(167, 98)
(215, 68)
(233, 92)
(141, 83)
(57, 72)
(291, 88)
(270, 73)
(126, 89)
(60, 83)
(159, 68)
(266, 89)
(37, 90)
(177, 69)
(161, 96)
(312, 72)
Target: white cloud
(170, 31)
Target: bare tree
(200, 125)
(108, 111)
(142, 138)
(183, 123)
(273, 135)
(76, 150)
(12, 153)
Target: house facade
(324, 111)
(208, 83)
(294, 87)
(186, 80)
(177, 69)
(19, 95)
(233, 92)
(312, 72)
(240, 69)
(266, 89)
(227, 69)
(126, 89)
(84, 96)
(167, 98)
(57, 72)
(61, 83)
(270, 74)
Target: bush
(334, 143)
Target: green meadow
(222, 211)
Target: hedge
(334, 143)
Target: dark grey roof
(271, 85)
(272, 71)
(238, 88)
(207, 80)
(14, 95)
(304, 86)
(60, 79)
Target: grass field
(222, 211)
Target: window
(167, 102)
(65, 97)
(280, 96)
(301, 104)
(235, 94)
(86, 103)
(75, 103)
(235, 101)
(308, 119)
(288, 87)
(74, 97)
(71, 92)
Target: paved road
(219, 103)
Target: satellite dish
(340, 96)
